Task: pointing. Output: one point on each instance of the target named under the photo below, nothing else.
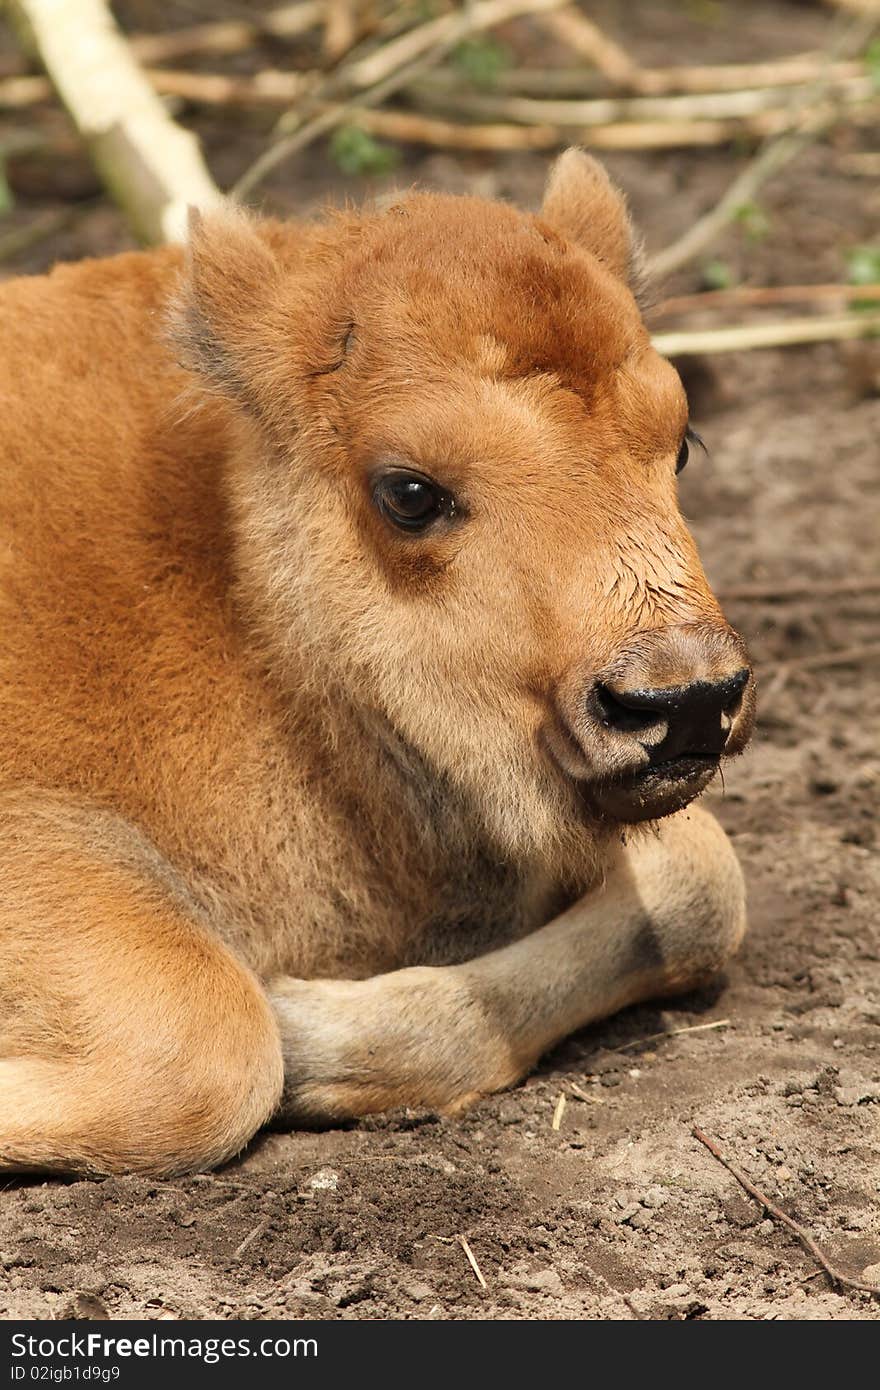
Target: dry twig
(340, 28)
(704, 106)
(759, 295)
(671, 1033)
(786, 333)
(582, 36)
(228, 35)
(445, 33)
(412, 127)
(250, 1238)
(834, 1274)
(462, 1240)
(584, 1095)
(481, 15)
(581, 82)
(558, 1112)
(809, 118)
(844, 656)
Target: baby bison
(348, 621)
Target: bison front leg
(669, 913)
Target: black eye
(690, 437)
(410, 501)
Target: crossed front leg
(669, 914)
(131, 1039)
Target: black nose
(677, 719)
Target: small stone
(871, 1274)
(655, 1198)
(640, 1219)
(325, 1180)
(784, 1174)
(543, 1281)
(87, 1306)
(765, 1228)
(416, 1291)
(678, 1291)
(860, 1094)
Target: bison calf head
(455, 501)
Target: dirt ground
(619, 1213)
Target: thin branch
(437, 36)
(340, 28)
(411, 127)
(408, 127)
(834, 1274)
(228, 35)
(715, 106)
(267, 88)
(844, 656)
(582, 36)
(671, 1033)
(472, 1261)
(748, 337)
(773, 157)
(456, 27)
(745, 295)
(794, 71)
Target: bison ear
(583, 205)
(226, 295)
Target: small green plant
(7, 200)
(753, 220)
(355, 151)
(863, 265)
(481, 60)
(717, 275)
(863, 268)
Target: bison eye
(410, 501)
(690, 437)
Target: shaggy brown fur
(282, 780)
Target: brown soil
(620, 1212)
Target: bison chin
(652, 792)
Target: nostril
(618, 715)
(731, 691)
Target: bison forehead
(446, 284)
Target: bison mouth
(656, 790)
(659, 787)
